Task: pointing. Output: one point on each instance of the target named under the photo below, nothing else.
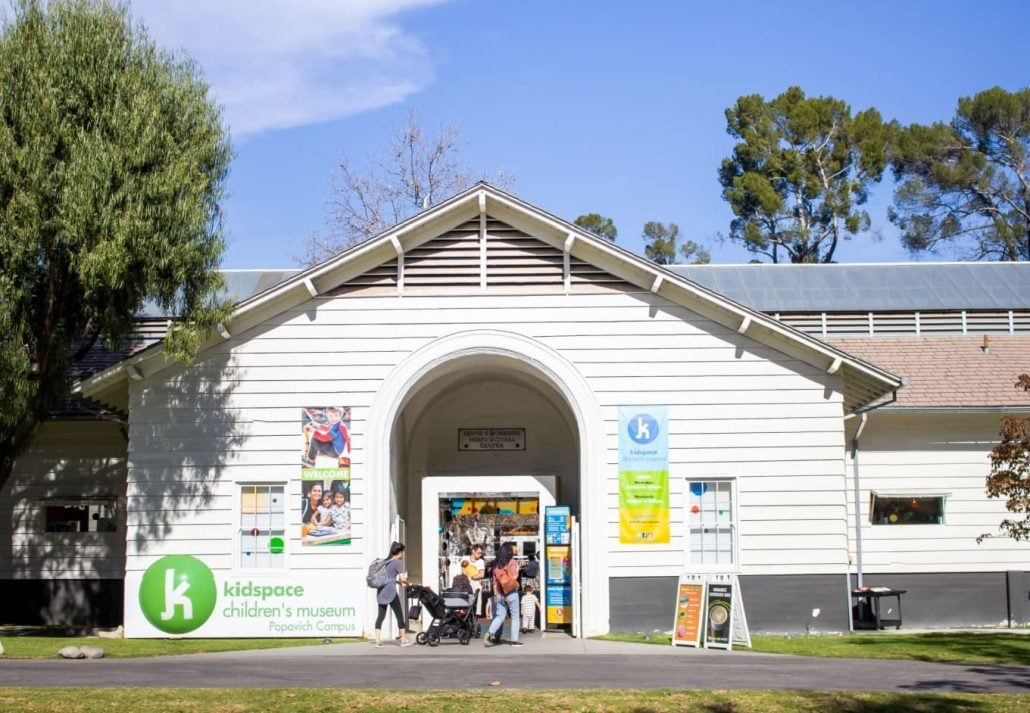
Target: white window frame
(689, 564)
(904, 495)
(237, 563)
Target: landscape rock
(71, 652)
(1, 649)
(118, 633)
(92, 652)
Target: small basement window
(80, 514)
(907, 509)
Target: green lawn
(945, 647)
(71, 700)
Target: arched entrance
(483, 379)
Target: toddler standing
(530, 606)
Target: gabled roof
(925, 286)
(863, 382)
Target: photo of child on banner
(325, 476)
(326, 436)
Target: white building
(481, 353)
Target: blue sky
(609, 107)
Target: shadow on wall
(184, 432)
(56, 568)
(65, 564)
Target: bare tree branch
(413, 173)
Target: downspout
(863, 415)
(858, 505)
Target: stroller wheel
(420, 637)
(434, 640)
(463, 638)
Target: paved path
(552, 663)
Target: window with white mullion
(711, 526)
(262, 526)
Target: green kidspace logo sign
(178, 594)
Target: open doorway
(459, 512)
(487, 519)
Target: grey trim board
(818, 603)
(942, 600)
(1019, 598)
(789, 603)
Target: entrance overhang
(519, 353)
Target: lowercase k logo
(178, 594)
(643, 428)
(174, 597)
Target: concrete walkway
(546, 661)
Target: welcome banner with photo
(643, 475)
(325, 476)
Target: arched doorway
(477, 380)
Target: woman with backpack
(506, 595)
(388, 596)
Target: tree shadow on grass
(992, 676)
(1009, 648)
(729, 702)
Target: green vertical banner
(643, 475)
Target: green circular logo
(177, 594)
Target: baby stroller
(453, 612)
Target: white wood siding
(932, 454)
(67, 459)
(736, 409)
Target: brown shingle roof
(950, 371)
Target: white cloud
(275, 64)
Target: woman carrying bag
(506, 595)
(387, 596)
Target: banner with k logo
(643, 475)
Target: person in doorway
(388, 596)
(461, 583)
(505, 577)
(530, 607)
(475, 569)
(531, 570)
